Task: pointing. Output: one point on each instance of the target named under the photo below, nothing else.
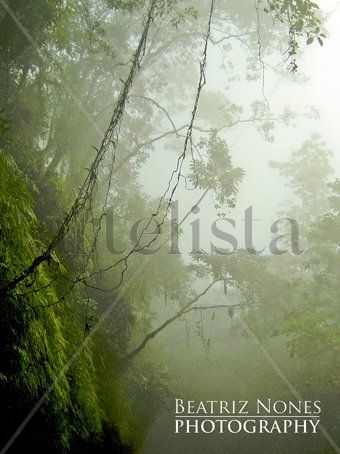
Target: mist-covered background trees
(113, 285)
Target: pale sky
(262, 188)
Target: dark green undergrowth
(37, 344)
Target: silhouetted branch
(217, 306)
(175, 175)
(168, 322)
(89, 184)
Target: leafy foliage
(61, 71)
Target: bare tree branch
(216, 306)
(168, 322)
(146, 98)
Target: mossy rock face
(36, 344)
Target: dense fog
(170, 220)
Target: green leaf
(310, 40)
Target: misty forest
(169, 219)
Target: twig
(153, 333)
(88, 186)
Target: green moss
(38, 344)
